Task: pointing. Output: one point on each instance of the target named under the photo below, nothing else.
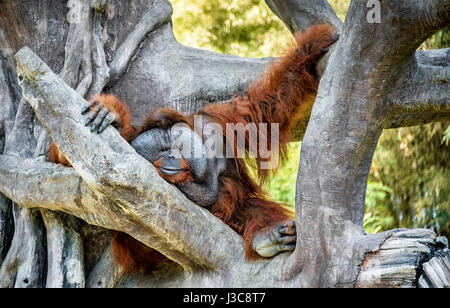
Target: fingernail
(92, 128)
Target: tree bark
(373, 79)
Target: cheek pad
(190, 145)
(151, 143)
(180, 139)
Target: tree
(419, 197)
(374, 79)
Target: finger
(99, 119)
(286, 240)
(88, 107)
(290, 247)
(288, 231)
(90, 116)
(110, 118)
(289, 224)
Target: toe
(99, 119)
(290, 247)
(288, 228)
(290, 223)
(108, 120)
(287, 240)
(88, 107)
(92, 114)
(288, 231)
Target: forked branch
(421, 93)
(134, 199)
(346, 121)
(158, 13)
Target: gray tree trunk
(54, 56)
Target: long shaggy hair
(283, 95)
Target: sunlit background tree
(409, 185)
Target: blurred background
(409, 184)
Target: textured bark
(397, 261)
(298, 15)
(24, 264)
(65, 252)
(6, 226)
(6, 114)
(128, 47)
(436, 271)
(157, 14)
(346, 122)
(421, 93)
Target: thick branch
(33, 183)
(64, 251)
(119, 190)
(158, 13)
(6, 113)
(23, 265)
(436, 272)
(8, 109)
(395, 263)
(101, 74)
(6, 226)
(107, 273)
(346, 122)
(135, 200)
(38, 184)
(426, 17)
(298, 15)
(78, 39)
(421, 93)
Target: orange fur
(245, 207)
(123, 118)
(122, 113)
(284, 95)
(133, 256)
(56, 156)
(163, 118)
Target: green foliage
(415, 164)
(375, 218)
(439, 40)
(446, 137)
(244, 28)
(409, 185)
(238, 27)
(340, 7)
(282, 186)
